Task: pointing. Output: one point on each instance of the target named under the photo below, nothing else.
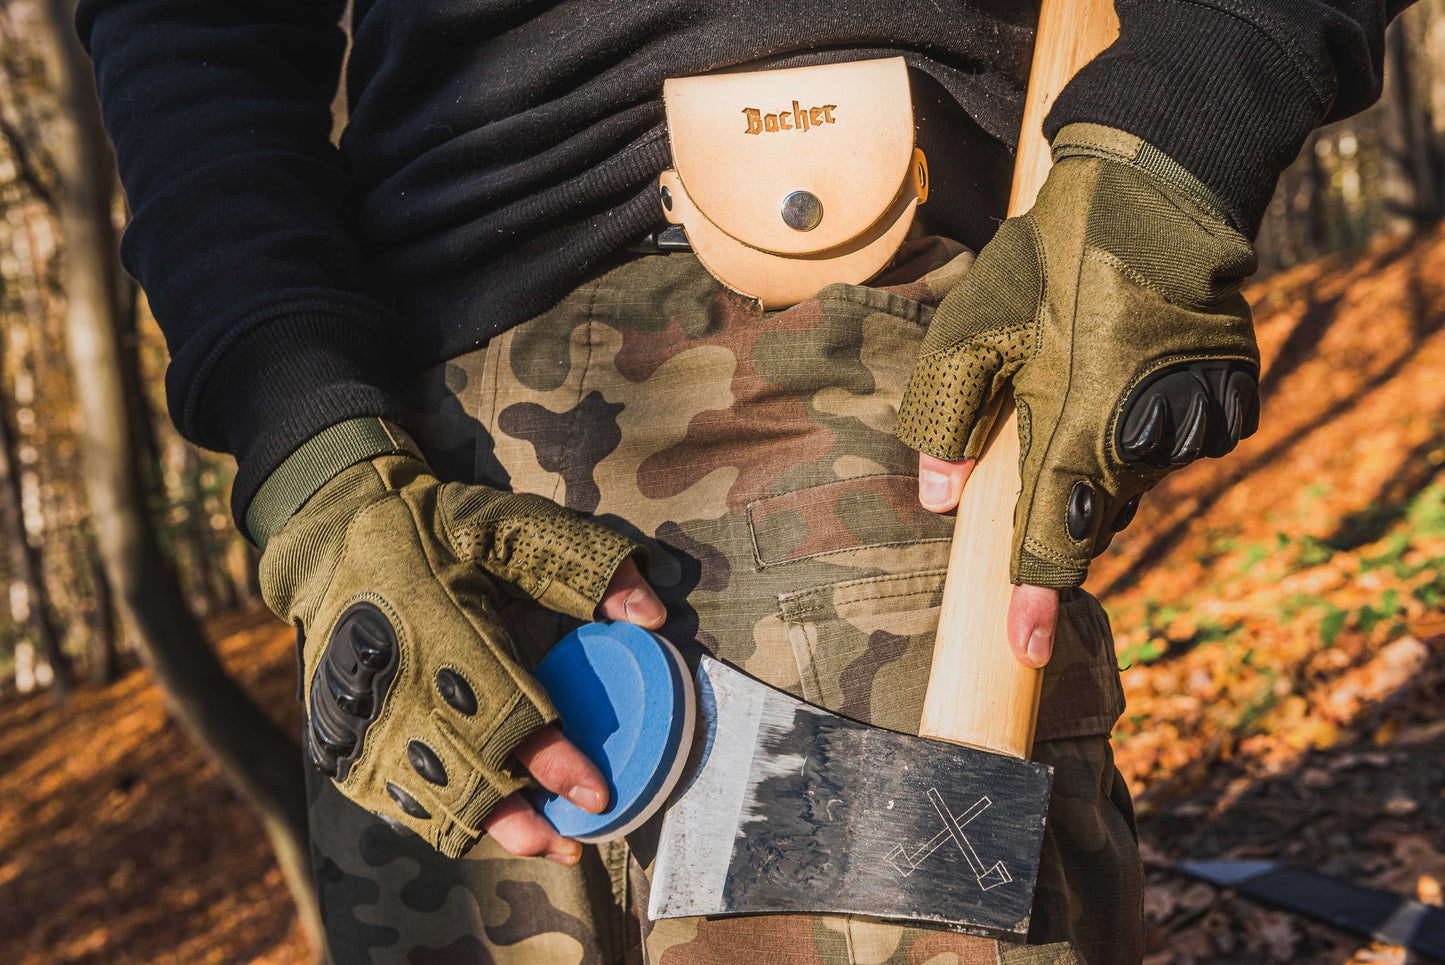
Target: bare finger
(520, 830)
(557, 765)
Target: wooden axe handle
(978, 693)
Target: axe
(785, 807)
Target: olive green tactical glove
(414, 703)
(1114, 307)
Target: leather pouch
(789, 180)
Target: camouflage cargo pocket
(864, 647)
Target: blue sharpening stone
(626, 700)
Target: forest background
(1278, 614)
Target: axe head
(785, 807)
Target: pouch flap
(742, 143)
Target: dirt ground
(1278, 614)
(121, 845)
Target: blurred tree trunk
(1411, 193)
(128, 336)
(208, 580)
(1316, 231)
(24, 559)
(261, 761)
(104, 651)
(252, 572)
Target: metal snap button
(802, 211)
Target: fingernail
(643, 608)
(933, 488)
(565, 858)
(1040, 647)
(587, 799)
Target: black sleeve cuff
(278, 384)
(1229, 93)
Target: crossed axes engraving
(953, 826)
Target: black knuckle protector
(1187, 411)
(349, 686)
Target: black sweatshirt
(499, 150)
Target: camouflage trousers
(754, 455)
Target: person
(468, 412)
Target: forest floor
(1279, 615)
(121, 844)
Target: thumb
(629, 598)
(941, 481)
